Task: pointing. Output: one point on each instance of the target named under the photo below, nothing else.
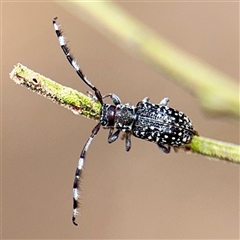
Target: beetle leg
(164, 102)
(123, 136)
(164, 148)
(128, 141)
(113, 136)
(116, 100)
(176, 149)
(127, 137)
(145, 100)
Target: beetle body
(156, 123)
(152, 122)
(162, 125)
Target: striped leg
(78, 173)
(71, 60)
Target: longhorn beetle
(156, 123)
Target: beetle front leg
(116, 100)
(113, 136)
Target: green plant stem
(216, 92)
(81, 104)
(69, 98)
(216, 149)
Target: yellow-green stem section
(69, 98)
(216, 149)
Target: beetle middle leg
(128, 141)
(127, 137)
(164, 102)
(165, 149)
(113, 136)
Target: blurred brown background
(140, 194)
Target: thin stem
(216, 149)
(69, 98)
(88, 107)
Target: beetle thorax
(121, 116)
(125, 117)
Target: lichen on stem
(67, 97)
